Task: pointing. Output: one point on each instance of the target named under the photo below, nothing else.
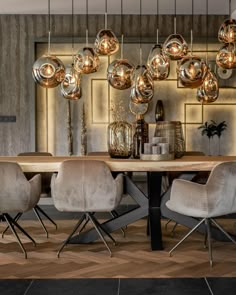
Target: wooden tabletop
(186, 163)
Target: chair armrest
(35, 190)
(188, 198)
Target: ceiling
(114, 6)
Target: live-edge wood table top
(186, 163)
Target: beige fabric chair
(45, 192)
(206, 201)
(17, 194)
(86, 186)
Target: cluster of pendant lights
(192, 71)
(226, 57)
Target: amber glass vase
(120, 139)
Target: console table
(148, 205)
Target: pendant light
(158, 63)
(175, 46)
(48, 70)
(227, 31)
(106, 42)
(192, 69)
(86, 60)
(226, 56)
(208, 92)
(120, 70)
(142, 88)
(70, 86)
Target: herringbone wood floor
(132, 257)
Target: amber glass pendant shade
(70, 86)
(227, 31)
(48, 71)
(209, 90)
(175, 47)
(158, 63)
(226, 57)
(86, 61)
(119, 74)
(106, 42)
(142, 89)
(192, 71)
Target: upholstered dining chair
(17, 194)
(86, 186)
(45, 192)
(206, 201)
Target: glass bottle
(159, 111)
(140, 136)
(120, 139)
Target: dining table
(147, 204)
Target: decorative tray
(161, 157)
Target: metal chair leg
(223, 231)
(105, 231)
(208, 225)
(72, 233)
(16, 218)
(40, 220)
(186, 236)
(9, 222)
(99, 232)
(45, 214)
(14, 223)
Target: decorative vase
(120, 139)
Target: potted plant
(218, 130)
(208, 130)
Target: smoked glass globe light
(142, 89)
(70, 86)
(106, 42)
(86, 61)
(192, 71)
(175, 47)
(227, 31)
(158, 63)
(48, 71)
(208, 92)
(226, 56)
(119, 74)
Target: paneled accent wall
(19, 35)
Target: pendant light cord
(72, 30)
(140, 32)
(192, 28)
(175, 19)
(49, 27)
(105, 14)
(207, 32)
(86, 23)
(122, 34)
(157, 20)
(229, 8)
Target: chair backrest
(85, 185)
(14, 188)
(46, 176)
(221, 189)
